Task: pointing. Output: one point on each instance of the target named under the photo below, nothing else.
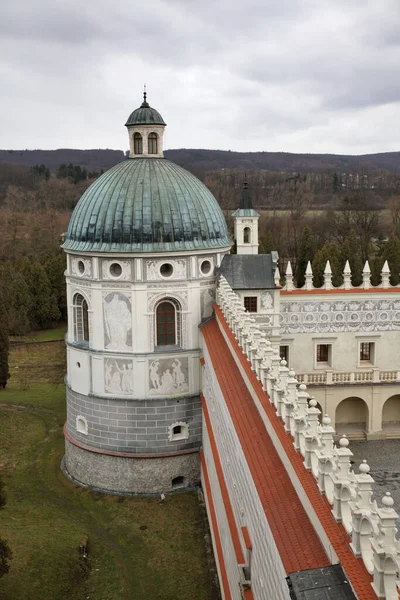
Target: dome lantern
(146, 130)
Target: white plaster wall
(79, 371)
(343, 320)
(345, 351)
(239, 225)
(374, 396)
(268, 573)
(222, 523)
(142, 288)
(144, 131)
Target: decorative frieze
(334, 316)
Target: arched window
(152, 143)
(81, 319)
(168, 323)
(178, 431)
(81, 425)
(246, 235)
(138, 143)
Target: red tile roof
(296, 539)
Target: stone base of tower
(113, 472)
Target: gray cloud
(299, 75)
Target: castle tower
(146, 130)
(142, 247)
(246, 224)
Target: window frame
(247, 234)
(370, 361)
(284, 355)
(182, 435)
(137, 143)
(251, 301)
(80, 419)
(177, 324)
(81, 325)
(152, 142)
(322, 362)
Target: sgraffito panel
(168, 376)
(118, 376)
(117, 322)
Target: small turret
(146, 130)
(246, 224)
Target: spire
(245, 200)
(145, 103)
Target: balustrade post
(362, 506)
(289, 278)
(309, 277)
(325, 454)
(343, 482)
(385, 551)
(283, 379)
(328, 276)
(311, 435)
(385, 274)
(299, 416)
(347, 276)
(290, 400)
(366, 276)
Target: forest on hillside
(304, 216)
(210, 160)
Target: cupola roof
(145, 115)
(147, 205)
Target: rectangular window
(284, 353)
(367, 352)
(250, 303)
(324, 353)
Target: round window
(81, 267)
(205, 267)
(115, 270)
(166, 270)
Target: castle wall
(135, 426)
(267, 571)
(130, 474)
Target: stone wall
(136, 426)
(132, 475)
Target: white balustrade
(372, 529)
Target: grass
(47, 335)
(46, 517)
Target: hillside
(211, 160)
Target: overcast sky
(290, 75)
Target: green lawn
(46, 335)
(46, 516)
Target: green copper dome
(145, 115)
(146, 205)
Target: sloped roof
(248, 271)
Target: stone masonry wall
(137, 426)
(133, 475)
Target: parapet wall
(370, 527)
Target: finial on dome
(145, 103)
